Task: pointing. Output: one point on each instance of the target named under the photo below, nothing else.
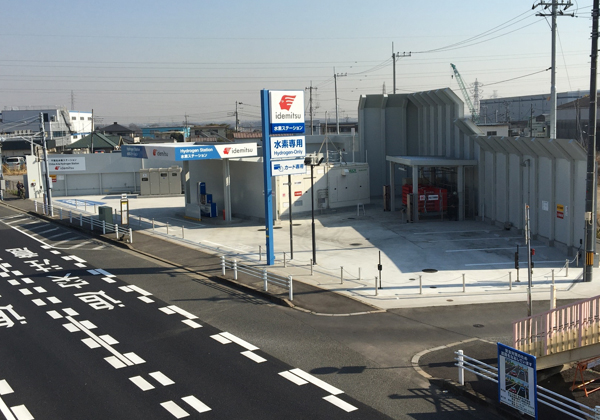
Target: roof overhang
(429, 161)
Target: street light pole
(337, 119)
(47, 178)
(309, 160)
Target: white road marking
(293, 378)
(76, 258)
(340, 403)
(174, 409)
(477, 239)
(317, 382)
(54, 314)
(512, 263)
(162, 378)
(109, 340)
(141, 383)
(108, 280)
(101, 271)
(39, 289)
(191, 323)
(14, 282)
(74, 238)
(239, 341)
(182, 312)
(21, 412)
(3, 274)
(255, 357)
(54, 299)
(55, 252)
(483, 249)
(39, 302)
(26, 292)
(126, 289)
(196, 404)
(80, 265)
(140, 291)
(5, 410)
(225, 246)
(167, 310)
(451, 232)
(27, 280)
(47, 231)
(124, 359)
(220, 339)
(93, 272)
(80, 245)
(145, 299)
(5, 388)
(90, 343)
(70, 327)
(70, 312)
(134, 358)
(88, 324)
(18, 273)
(98, 247)
(115, 362)
(56, 236)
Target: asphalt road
(368, 356)
(78, 342)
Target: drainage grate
(429, 270)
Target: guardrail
(545, 396)
(561, 329)
(268, 278)
(86, 221)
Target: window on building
(74, 118)
(89, 118)
(81, 118)
(492, 133)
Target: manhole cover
(355, 244)
(429, 270)
(433, 287)
(478, 325)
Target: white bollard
(70, 216)
(420, 285)
(342, 275)
(552, 297)
(567, 267)
(359, 273)
(35, 204)
(117, 231)
(80, 219)
(223, 264)
(284, 262)
(259, 253)
(291, 284)
(464, 287)
(461, 368)
(376, 289)
(60, 212)
(265, 279)
(130, 236)
(311, 267)
(510, 280)
(167, 228)
(235, 269)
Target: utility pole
(396, 56)
(337, 120)
(47, 178)
(590, 187)
(72, 101)
(310, 107)
(237, 119)
(186, 126)
(529, 271)
(564, 5)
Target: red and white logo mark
(286, 102)
(56, 168)
(226, 150)
(154, 152)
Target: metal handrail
(268, 278)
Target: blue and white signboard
(288, 147)
(286, 111)
(179, 152)
(288, 167)
(517, 380)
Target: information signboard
(286, 111)
(517, 380)
(288, 167)
(288, 147)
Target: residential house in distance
(96, 143)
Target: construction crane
(461, 84)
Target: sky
(157, 62)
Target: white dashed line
(140, 290)
(167, 310)
(70, 312)
(191, 323)
(196, 404)
(141, 383)
(26, 291)
(21, 412)
(162, 378)
(182, 312)
(340, 403)
(254, 357)
(5, 388)
(39, 302)
(175, 410)
(54, 299)
(145, 299)
(54, 314)
(27, 280)
(239, 341)
(39, 289)
(220, 339)
(317, 382)
(293, 378)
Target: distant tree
(134, 127)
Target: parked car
(15, 162)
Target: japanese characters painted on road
(517, 380)
(178, 152)
(288, 147)
(287, 111)
(288, 167)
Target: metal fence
(89, 221)
(268, 278)
(545, 396)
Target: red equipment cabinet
(431, 199)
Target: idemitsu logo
(226, 150)
(154, 152)
(159, 153)
(286, 102)
(56, 168)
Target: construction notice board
(517, 380)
